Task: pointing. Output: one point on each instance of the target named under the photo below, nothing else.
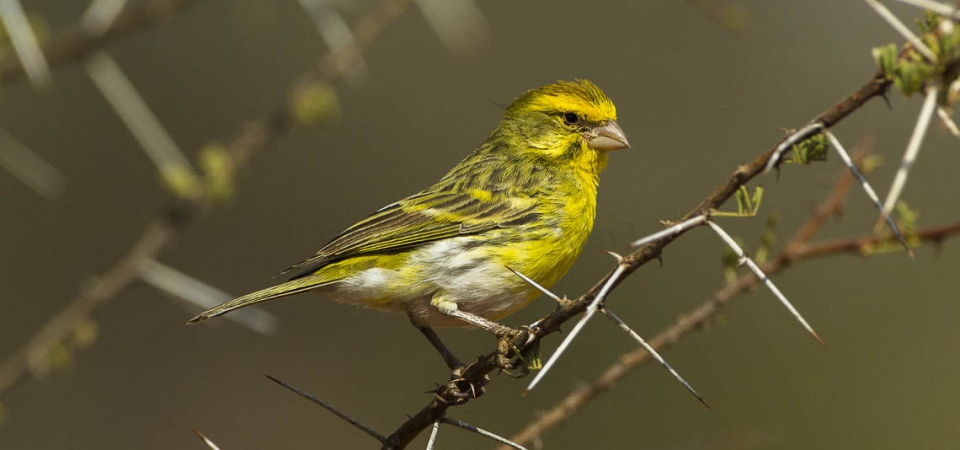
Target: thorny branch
(799, 248)
(162, 232)
(75, 42)
(696, 318)
(478, 371)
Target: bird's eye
(571, 118)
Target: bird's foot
(509, 341)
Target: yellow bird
(524, 200)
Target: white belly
(448, 269)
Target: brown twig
(75, 42)
(163, 230)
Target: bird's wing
(423, 218)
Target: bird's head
(565, 121)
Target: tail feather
(281, 290)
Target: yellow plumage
(525, 199)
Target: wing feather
(423, 218)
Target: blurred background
(700, 86)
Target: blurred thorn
(433, 435)
(744, 259)
(948, 122)
(206, 440)
(25, 44)
(835, 143)
(937, 7)
(204, 296)
(100, 15)
(905, 32)
(29, 168)
(913, 148)
(733, 18)
(459, 24)
(337, 35)
(143, 124)
(482, 432)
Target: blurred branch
(79, 40)
(161, 233)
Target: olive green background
(695, 100)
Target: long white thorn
(793, 139)
(591, 310)
(206, 440)
(620, 323)
(744, 259)
(937, 7)
(433, 435)
(536, 285)
(482, 432)
(670, 231)
(902, 29)
(835, 143)
(913, 148)
(25, 43)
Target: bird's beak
(608, 137)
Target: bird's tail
(281, 290)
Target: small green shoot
(747, 205)
(812, 149)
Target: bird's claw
(508, 340)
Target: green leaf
(809, 150)
(747, 205)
